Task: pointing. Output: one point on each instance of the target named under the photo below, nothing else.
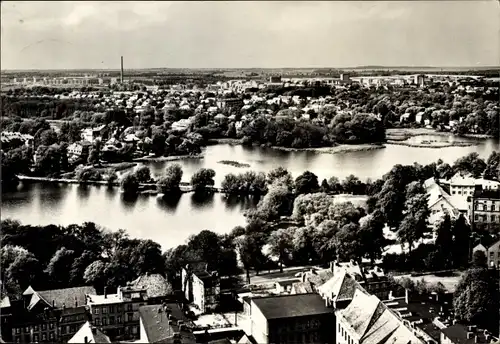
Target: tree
(479, 259)
(250, 250)
(471, 163)
(202, 178)
(171, 180)
(371, 235)
(95, 153)
(281, 244)
(461, 241)
(95, 274)
(303, 240)
(20, 268)
(143, 174)
(281, 174)
(444, 241)
(48, 137)
(476, 298)
(492, 170)
(59, 266)
(130, 184)
(307, 182)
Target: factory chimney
(121, 71)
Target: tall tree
(461, 241)
(476, 298)
(202, 178)
(307, 182)
(171, 180)
(59, 267)
(281, 244)
(444, 241)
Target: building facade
(491, 252)
(484, 207)
(200, 287)
(117, 315)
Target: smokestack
(121, 70)
(105, 293)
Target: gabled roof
(28, 291)
(156, 285)
(5, 302)
(92, 334)
(68, 297)
(156, 324)
(302, 287)
(341, 287)
(374, 323)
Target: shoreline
(402, 134)
(431, 145)
(168, 158)
(342, 148)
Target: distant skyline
(337, 34)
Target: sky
(250, 34)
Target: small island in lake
(233, 163)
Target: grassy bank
(168, 158)
(335, 149)
(402, 134)
(435, 144)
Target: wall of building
(143, 337)
(198, 292)
(464, 190)
(259, 325)
(484, 210)
(343, 333)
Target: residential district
(345, 301)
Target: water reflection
(129, 200)
(202, 199)
(169, 202)
(53, 194)
(110, 192)
(83, 191)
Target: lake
(171, 224)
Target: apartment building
(117, 315)
(88, 334)
(484, 207)
(201, 287)
(50, 315)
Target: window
(97, 321)
(44, 336)
(129, 317)
(459, 192)
(493, 218)
(119, 308)
(18, 330)
(96, 311)
(51, 326)
(51, 335)
(18, 339)
(36, 337)
(111, 309)
(104, 321)
(129, 307)
(119, 319)
(492, 207)
(134, 330)
(63, 330)
(104, 310)
(68, 329)
(476, 217)
(26, 329)
(454, 192)
(36, 328)
(111, 320)
(44, 327)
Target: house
(492, 253)
(462, 334)
(440, 202)
(298, 318)
(49, 315)
(201, 287)
(92, 134)
(117, 315)
(484, 208)
(89, 334)
(230, 103)
(338, 292)
(5, 318)
(368, 320)
(164, 324)
(311, 279)
(158, 289)
(78, 151)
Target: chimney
(469, 335)
(303, 277)
(86, 340)
(121, 70)
(54, 303)
(105, 293)
(94, 330)
(476, 339)
(76, 302)
(407, 296)
(332, 267)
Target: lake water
(171, 224)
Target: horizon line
(254, 68)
